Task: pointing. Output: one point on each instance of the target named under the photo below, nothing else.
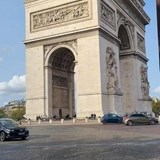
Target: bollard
(74, 120)
(29, 121)
(50, 121)
(99, 120)
(159, 119)
(86, 120)
(62, 121)
(39, 121)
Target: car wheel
(129, 123)
(152, 122)
(2, 136)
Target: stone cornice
(29, 1)
(134, 5)
(142, 2)
(140, 9)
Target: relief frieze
(63, 14)
(140, 43)
(108, 15)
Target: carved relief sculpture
(144, 82)
(112, 84)
(108, 15)
(54, 16)
(140, 43)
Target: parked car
(139, 119)
(111, 118)
(10, 129)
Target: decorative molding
(72, 44)
(140, 43)
(129, 10)
(57, 15)
(141, 2)
(139, 7)
(129, 27)
(29, 1)
(108, 15)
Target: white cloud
(157, 90)
(14, 86)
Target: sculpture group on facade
(112, 84)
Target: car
(140, 119)
(10, 129)
(111, 118)
(43, 118)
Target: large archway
(62, 64)
(125, 67)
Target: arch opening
(62, 63)
(124, 39)
(125, 67)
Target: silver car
(139, 119)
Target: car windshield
(9, 123)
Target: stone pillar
(50, 121)
(99, 120)
(74, 120)
(39, 121)
(70, 95)
(62, 121)
(48, 92)
(86, 120)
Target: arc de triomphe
(86, 57)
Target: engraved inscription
(54, 16)
(108, 15)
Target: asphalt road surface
(85, 142)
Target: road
(85, 142)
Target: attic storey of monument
(90, 56)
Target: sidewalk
(62, 122)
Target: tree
(156, 106)
(18, 114)
(2, 113)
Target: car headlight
(8, 130)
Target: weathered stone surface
(85, 57)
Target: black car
(111, 118)
(10, 129)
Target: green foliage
(2, 113)
(17, 114)
(156, 106)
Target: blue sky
(12, 50)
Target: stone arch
(126, 36)
(59, 81)
(47, 59)
(126, 27)
(126, 50)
